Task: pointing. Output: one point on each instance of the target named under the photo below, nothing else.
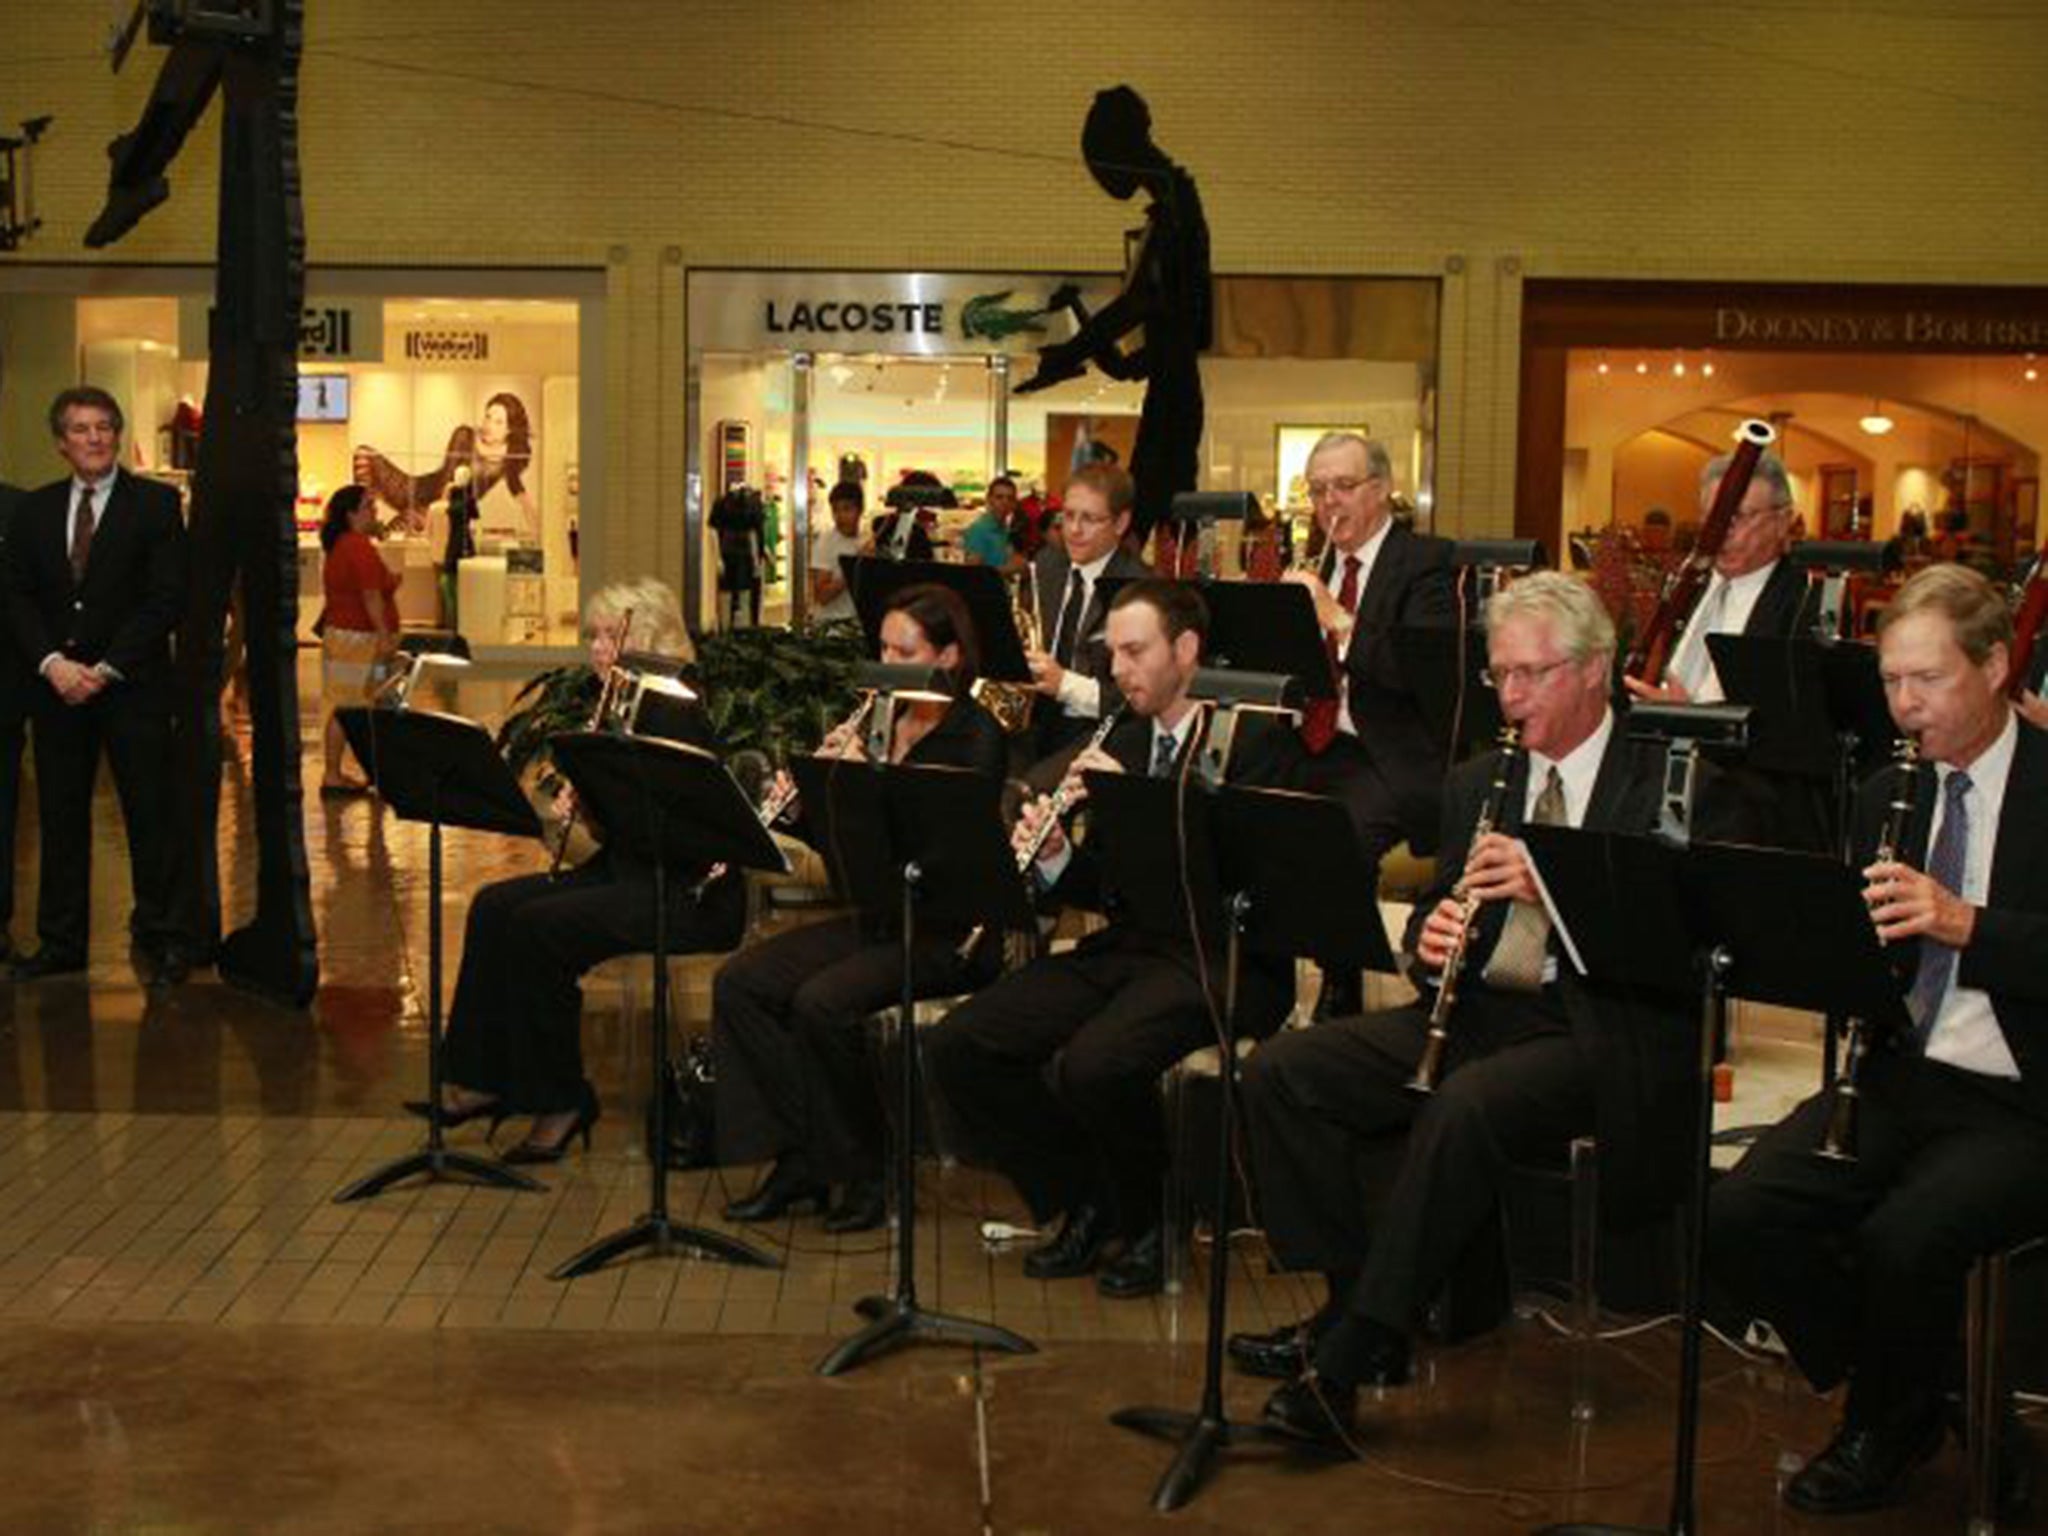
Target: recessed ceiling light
(1642, 368)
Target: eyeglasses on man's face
(1338, 485)
(1498, 678)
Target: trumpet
(1062, 797)
(1838, 1139)
(1011, 703)
(607, 702)
(1430, 1067)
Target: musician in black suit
(1535, 1057)
(1860, 1266)
(96, 583)
(1073, 671)
(793, 1079)
(1372, 750)
(1055, 1069)
(17, 694)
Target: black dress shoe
(1362, 1351)
(1342, 996)
(782, 1191)
(1863, 1467)
(1074, 1250)
(1140, 1270)
(45, 963)
(1316, 1411)
(1282, 1354)
(862, 1206)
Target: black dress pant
(515, 1025)
(132, 724)
(1860, 1266)
(1054, 1070)
(1327, 1110)
(15, 696)
(790, 1061)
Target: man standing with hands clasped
(95, 585)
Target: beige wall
(1469, 139)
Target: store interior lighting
(1876, 423)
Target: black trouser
(788, 1053)
(1860, 1266)
(515, 1025)
(1326, 1109)
(15, 699)
(1055, 1069)
(132, 723)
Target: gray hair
(1571, 607)
(1769, 468)
(1377, 464)
(657, 618)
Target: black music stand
(663, 803)
(874, 582)
(1441, 666)
(446, 771)
(1770, 926)
(913, 842)
(1293, 873)
(1258, 626)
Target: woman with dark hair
(359, 624)
(793, 1081)
(497, 451)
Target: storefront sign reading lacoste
(919, 313)
(828, 317)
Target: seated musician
(1373, 751)
(1055, 1069)
(1073, 671)
(1860, 1266)
(1535, 1055)
(793, 1080)
(514, 1043)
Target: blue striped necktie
(1945, 866)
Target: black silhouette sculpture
(1159, 325)
(247, 475)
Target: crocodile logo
(984, 315)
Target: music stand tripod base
(895, 1320)
(662, 1237)
(438, 1165)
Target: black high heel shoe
(451, 1118)
(531, 1151)
(780, 1193)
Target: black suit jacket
(134, 588)
(1788, 605)
(11, 669)
(2008, 955)
(1052, 570)
(1639, 1047)
(1410, 584)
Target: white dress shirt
(1724, 609)
(1966, 1033)
(1079, 694)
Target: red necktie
(81, 535)
(1319, 720)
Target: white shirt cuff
(1080, 694)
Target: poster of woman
(498, 451)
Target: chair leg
(1985, 1389)
(1585, 1179)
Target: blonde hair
(656, 617)
(1574, 610)
(1973, 606)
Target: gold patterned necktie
(81, 535)
(1517, 962)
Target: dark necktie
(1945, 867)
(1070, 619)
(81, 535)
(1319, 720)
(1164, 750)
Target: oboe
(1430, 1068)
(1838, 1141)
(1062, 797)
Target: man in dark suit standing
(1535, 1056)
(1055, 1068)
(1860, 1265)
(96, 582)
(16, 691)
(1072, 673)
(1372, 749)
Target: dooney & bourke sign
(1792, 317)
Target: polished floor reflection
(197, 1338)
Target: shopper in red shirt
(359, 627)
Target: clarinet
(1430, 1068)
(1838, 1140)
(1062, 797)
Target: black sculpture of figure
(1157, 328)
(245, 487)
